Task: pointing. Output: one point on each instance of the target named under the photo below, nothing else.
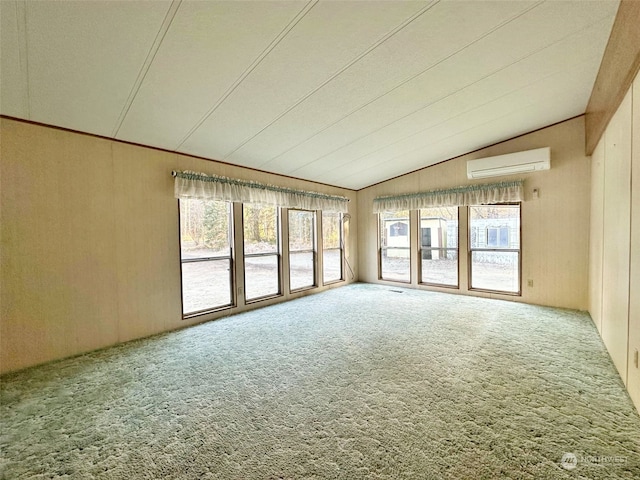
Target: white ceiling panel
(84, 58)
(400, 59)
(13, 61)
(461, 134)
(348, 93)
(504, 46)
(206, 50)
(580, 48)
(329, 37)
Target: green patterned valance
(213, 187)
(485, 194)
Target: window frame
(470, 251)
(340, 247)
(313, 250)
(379, 237)
(231, 259)
(457, 249)
(278, 255)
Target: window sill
(498, 292)
(200, 313)
(262, 299)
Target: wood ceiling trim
(164, 150)
(619, 66)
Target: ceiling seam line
(259, 59)
(528, 132)
(447, 138)
(393, 32)
(422, 131)
(590, 26)
(410, 79)
(146, 65)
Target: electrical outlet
(529, 283)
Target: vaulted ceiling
(347, 93)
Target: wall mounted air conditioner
(510, 164)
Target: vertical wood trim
(619, 66)
(633, 371)
(414, 249)
(286, 264)
(238, 287)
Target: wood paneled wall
(614, 262)
(555, 226)
(90, 242)
(633, 369)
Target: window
(439, 246)
(302, 249)
(395, 247)
(205, 254)
(261, 251)
(494, 245)
(331, 247)
(498, 236)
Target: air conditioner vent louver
(510, 164)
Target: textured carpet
(364, 381)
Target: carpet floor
(359, 382)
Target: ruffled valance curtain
(213, 187)
(485, 194)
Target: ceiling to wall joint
(338, 92)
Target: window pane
(261, 276)
(260, 229)
(332, 246)
(492, 237)
(301, 270)
(395, 248)
(395, 267)
(495, 226)
(204, 229)
(301, 230)
(301, 249)
(205, 232)
(495, 271)
(440, 266)
(331, 230)
(439, 245)
(332, 264)
(205, 285)
(261, 236)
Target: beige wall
(616, 232)
(633, 370)
(614, 302)
(90, 247)
(596, 235)
(555, 226)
